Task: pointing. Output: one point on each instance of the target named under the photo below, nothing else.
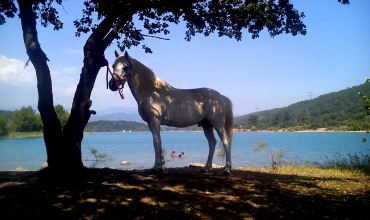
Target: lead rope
(105, 63)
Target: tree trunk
(61, 155)
(64, 148)
(93, 59)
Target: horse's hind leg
(227, 145)
(208, 132)
(159, 158)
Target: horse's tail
(229, 118)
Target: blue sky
(264, 73)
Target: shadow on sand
(177, 193)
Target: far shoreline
(18, 135)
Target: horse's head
(122, 68)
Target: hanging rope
(104, 62)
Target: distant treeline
(118, 126)
(343, 110)
(115, 126)
(27, 120)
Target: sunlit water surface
(137, 148)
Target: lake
(137, 148)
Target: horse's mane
(145, 79)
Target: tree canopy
(226, 18)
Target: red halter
(105, 63)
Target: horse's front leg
(154, 127)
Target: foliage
(334, 111)
(366, 107)
(275, 155)
(44, 11)
(226, 18)
(7, 8)
(62, 114)
(27, 120)
(353, 162)
(2, 125)
(99, 156)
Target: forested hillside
(115, 126)
(343, 110)
(118, 126)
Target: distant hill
(119, 126)
(4, 112)
(336, 109)
(117, 117)
(115, 126)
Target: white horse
(161, 104)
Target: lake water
(137, 148)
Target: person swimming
(173, 154)
(182, 155)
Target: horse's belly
(182, 119)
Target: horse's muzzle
(113, 82)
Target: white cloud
(12, 72)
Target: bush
(99, 156)
(276, 155)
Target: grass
(351, 162)
(342, 175)
(34, 134)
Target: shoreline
(40, 134)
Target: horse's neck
(143, 82)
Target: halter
(120, 89)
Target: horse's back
(186, 107)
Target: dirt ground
(181, 193)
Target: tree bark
(60, 154)
(64, 147)
(80, 111)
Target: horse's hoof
(205, 170)
(226, 172)
(158, 170)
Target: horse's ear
(128, 58)
(116, 53)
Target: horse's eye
(125, 68)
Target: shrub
(276, 155)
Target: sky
(259, 74)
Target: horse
(161, 104)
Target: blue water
(137, 148)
